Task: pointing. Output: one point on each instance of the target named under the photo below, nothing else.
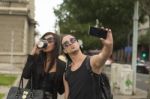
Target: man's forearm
(107, 50)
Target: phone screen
(98, 32)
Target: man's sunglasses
(67, 43)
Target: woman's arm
(27, 68)
(61, 65)
(66, 86)
(30, 62)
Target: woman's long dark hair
(55, 52)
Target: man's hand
(109, 39)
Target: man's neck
(77, 57)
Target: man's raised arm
(97, 61)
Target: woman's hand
(35, 50)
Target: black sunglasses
(67, 43)
(50, 39)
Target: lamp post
(134, 43)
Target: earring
(80, 43)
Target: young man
(77, 80)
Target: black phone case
(98, 32)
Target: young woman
(45, 67)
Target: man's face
(70, 44)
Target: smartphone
(97, 32)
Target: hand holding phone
(98, 32)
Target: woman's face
(51, 43)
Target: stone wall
(16, 31)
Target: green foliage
(76, 16)
(145, 39)
(1, 96)
(145, 6)
(6, 80)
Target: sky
(44, 15)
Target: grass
(1, 96)
(7, 80)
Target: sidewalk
(7, 69)
(140, 94)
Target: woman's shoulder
(61, 65)
(61, 62)
(62, 58)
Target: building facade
(17, 29)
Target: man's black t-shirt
(80, 82)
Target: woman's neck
(48, 56)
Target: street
(143, 81)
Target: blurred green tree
(76, 16)
(145, 6)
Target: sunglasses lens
(73, 40)
(67, 43)
(50, 40)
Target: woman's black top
(51, 82)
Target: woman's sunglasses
(50, 39)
